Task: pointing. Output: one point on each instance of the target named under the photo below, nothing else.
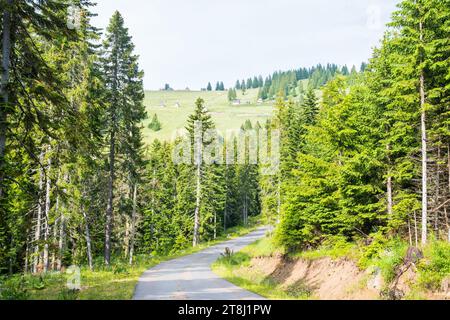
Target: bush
(155, 125)
(14, 288)
(436, 267)
(386, 254)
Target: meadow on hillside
(174, 107)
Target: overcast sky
(187, 43)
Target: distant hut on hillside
(177, 105)
(162, 104)
(236, 102)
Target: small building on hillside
(236, 102)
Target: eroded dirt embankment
(329, 279)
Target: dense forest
(374, 156)
(368, 159)
(78, 185)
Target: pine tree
(155, 125)
(198, 124)
(125, 96)
(310, 107)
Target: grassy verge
(236, 269)
(384, 256)
(104, 283)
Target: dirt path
(191, 278)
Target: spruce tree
(125, 108)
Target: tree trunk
(424, 152)
(390, 201)
(87, 235)
(416, 233)
(196, 240)
(225, 219)
(55, 239)
(62, 236)
(448, 163)
(109, 209)
(27, 254)
(198, 161)
(215, 225)
(389, 196)
(37, 232)
(437, 194)
(47, 213)
(6, 63)
(133, 224)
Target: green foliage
(14, 288)
(436, 267)
(235, 259)
(155, 125)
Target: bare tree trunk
(87, 235)
(225, 219)
(54, 241)
(409, 232)
(47, 213)
(62, 236)
(416, 233)
(27, 254)
(389, 196)
(447, 224)
(196, 240)
(448, 163)
(126, 239)
(215, 225)
(37, 232)
(424, 166)
(109, 209)
(424, 153)
(390, 201)
(133, 224)
(6, 64)
(437, 195)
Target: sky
(188, 43)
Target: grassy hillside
(225, 115)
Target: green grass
(436, 267)
(265, 247)
(383, 254)
(237, 270)
(225, 115)
(104, 283)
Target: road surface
(191, 278)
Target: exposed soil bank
(341, 279)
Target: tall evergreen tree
(125, 94)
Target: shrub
(155, 125)
(14, 288)
(436, 267)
